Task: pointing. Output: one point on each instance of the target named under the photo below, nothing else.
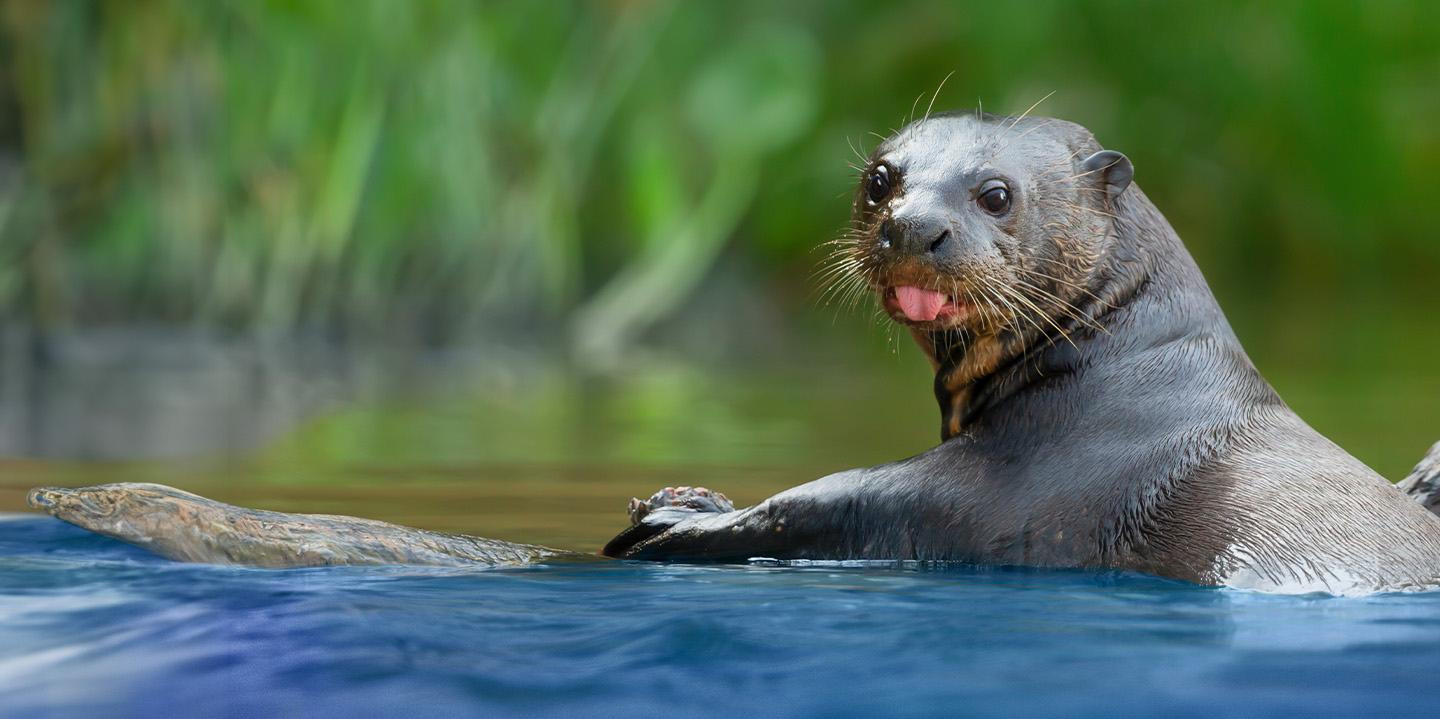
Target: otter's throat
(979, 377)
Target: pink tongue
(919, 305)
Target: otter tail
(189, 528)
(1423, 484)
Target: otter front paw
(683, 499)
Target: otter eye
(878, 188)
(995, 201)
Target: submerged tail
(1423, 484)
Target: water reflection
(92, 625)
(138, 394)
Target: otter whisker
(838, 260)
(1014, 316)
(970, 297)
(1074, 206)
(1072, 177)
(842, 258)
(833, 285)
(1081, 288)
(845, 307)
(852, 297)
(995, 318)
(1057, 165)
(837, 279)
(1020, 297)
(845, 275)
(842, 244)
(835, 267)
(840, 254)
(1057, 263)
(831, 298)
(1069, 309)
(860, 151)
(1011, 311)
(879, 318)
(892, 334)
(913, 105)
(1019, 137)
(1062, 280)
(852, 286)
(1023, 115)
(936, 95)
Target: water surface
(94, 627)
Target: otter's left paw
(688, 499)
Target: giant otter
(1097, 410)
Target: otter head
(986, 236)
(983, 227)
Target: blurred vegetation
(437, 170)
(376, 164)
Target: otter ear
(1112, 170)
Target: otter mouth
(913, 305)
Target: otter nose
(939, 242)
(914, 237)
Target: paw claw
(637, 510)
(687, 499)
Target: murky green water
(548, 457)
(527, 452)
(543, 455)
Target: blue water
(92, 627)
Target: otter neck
(976, 374)
(974, 377)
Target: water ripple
(94, 627)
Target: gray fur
(1131, 432)
(1113, 421)
(1423, 483)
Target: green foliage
(429, 168)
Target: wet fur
(1106, 417)
(1097, 411)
